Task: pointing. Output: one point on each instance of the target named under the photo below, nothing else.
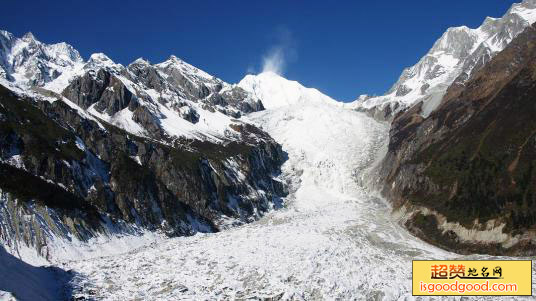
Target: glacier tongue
(333, 239)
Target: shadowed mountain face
(473, 160)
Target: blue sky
(343, 48)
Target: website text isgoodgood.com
(460, 287)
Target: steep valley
(162, 182)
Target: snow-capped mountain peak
(176, 63)
(29, 37)
(99, 57)
(457, 54)
(28, 62)
(526, 10)
(140, 61)
(165, 101)
(276, 91)
(100, 60)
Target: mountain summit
(459, 52)
(166, 101)
(276, 91)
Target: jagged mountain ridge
(109, 150)
(177, 128)
(460, 52)
(165, 101)
(30, 62)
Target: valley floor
(333, 240)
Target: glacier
(334, 238)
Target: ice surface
(333, 239)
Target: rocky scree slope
(91, 148)
(459, 53)
(464, 178)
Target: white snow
(82, 112)
(62, 81)
(137, 159)
(333, 240)
(24, 54)
(526, 10)
(275, 91)
(122, 119)
(28, 59)
(5, 296)
(15, 160)
(212, 126)
(80, 144)
(115, 240)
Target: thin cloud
(281, 53)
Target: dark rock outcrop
(102, 88)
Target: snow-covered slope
(334, 240)
(454, 57)
(165, 105)
(22, 281)
(276, 91)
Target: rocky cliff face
(464, 177)
(460, 52)
(94, 148)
